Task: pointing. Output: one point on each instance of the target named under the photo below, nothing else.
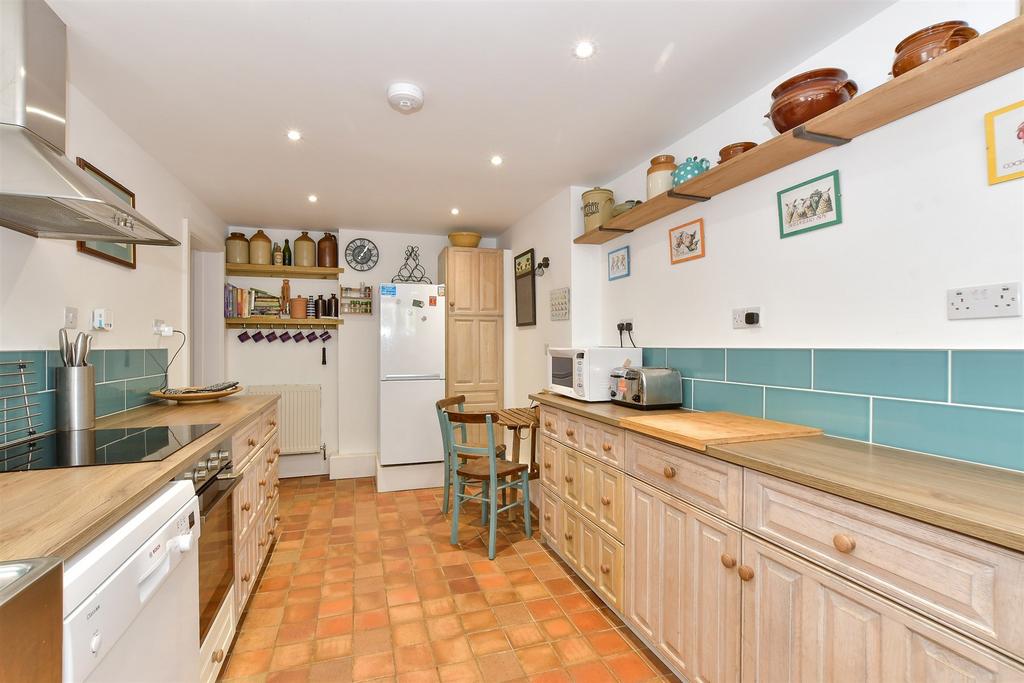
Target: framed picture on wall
(121, 253)
(686, 241)
(810, 205)
(1004, 139)
(618, 263)
(526, 289)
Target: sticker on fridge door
(418, 303)
(440, 290)
(432, 300)
(388, 290)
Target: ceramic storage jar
(659, 175)
(305, 251)
(236, 248)
(259, 249)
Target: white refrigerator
(411, 372)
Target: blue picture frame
(618, 263)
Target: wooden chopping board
(700, 430)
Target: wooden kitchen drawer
(601, 563)
(572, 430)
(964, 582)
(709, 484)
(550, 422)
(218, 641)
(245, 568)
(550, 518)
(550, 462)
(268, 422)
(245, 442)
(243, 503)
(608, 444)
(602, 495)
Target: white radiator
(299, 426)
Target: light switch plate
(984, 301)
(70, 317)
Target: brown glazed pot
(928, 43)
(804, 96)
(734, 150)
(327, 251)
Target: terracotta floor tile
(463, 672)
(589, 621)
(247, 663)
(573, 602)
(510, 615)
(591, 672)
(372, 619)
(405, 613)
(334, 626)
(470, 602)
(369, 667)
(607, 643)
(538, 658)
(295, 633)
(255, 639)
(501, 597)
(479, 621)
(451, 650)
(333, 671)
(268, 599)
(371, 642)
(558, 628)
(332, 648)
(438, 607)
(264, 617)
(500, 667)
(545, 608)
(372, 600)
(574, 650)
(412, 633)
(440, 628)
(413, 658)
(524, 635)
(287, 656)
(630, 668)
(559, 676)
(424, 676)
(488, 642)
(294, 614)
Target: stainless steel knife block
(76, 397)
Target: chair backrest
(462, 419)
(442, 417)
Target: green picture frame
(121, 253)
(811, 205)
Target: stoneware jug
(691, 168)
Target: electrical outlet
(157, 325)
(984, 301)
(624, 321)
(739, 317)
(70, 317)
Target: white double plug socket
(984, 301)
(162, 329)
(739, 316)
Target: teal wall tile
(688, 393)
(838, 415)
(698, 363)
(989, 378)
(156, 361)
(124, 364)
(654, 357)
(53, 360)
(34, 375)
(992, 437)
(779, 367)
(735, 398)
(137, 390)
(110, 398)
(902, 374)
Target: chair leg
(459, 486)
(484, 502)
(493, 532)
(526, 502)
(447, 484)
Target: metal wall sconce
(544, 264)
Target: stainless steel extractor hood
(42, 193)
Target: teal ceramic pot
(691, 168)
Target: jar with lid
(236, 248)
(659, 175)
(305, 251)
(259, 249)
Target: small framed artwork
(121, 253)
(618, 263)
(1004, 139)
(810, 205)
(526, 290)
(686, 241)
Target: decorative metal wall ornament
(411, 270)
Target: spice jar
(259, 249)
(236, 248)
(305, 250)
(298, 307)
(659, 175)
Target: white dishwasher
(131, 597)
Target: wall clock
(361, 254)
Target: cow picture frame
(618, 263)
(811, 205)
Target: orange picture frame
(686, 243)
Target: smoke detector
(405, 98)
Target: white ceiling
(209, 88)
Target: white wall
(918, 218)
(38, 277)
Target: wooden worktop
(58, 512)
(976, 500)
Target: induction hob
(87, 447)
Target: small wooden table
(517, 420)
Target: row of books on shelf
(240, 302)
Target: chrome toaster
(647, 388)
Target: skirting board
(302, 465)
(353, 465)
(406, 477)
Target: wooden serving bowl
(925, 45)
(464, 239)
(734, 150)
(204, 397)
(802, 97)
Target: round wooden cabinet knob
(745, 572)
(252, 441)
(246, 577)
(263, 482)
(246, 506)
(547, 466)
(273, 423)
(669, 471)
(547, 516)
(260, 544)
(218, 656)
(568, 478)
(605, 500)
(606, 447)
(277, 518)
(549, 424)
(270, 534)
(270, 495)
(570, 432)
(605, 569)
(728, 561)
(844, 543)
(451, 303)
(277, 451)
(568, 535)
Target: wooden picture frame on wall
(121, 253)
(686, 242)
(524, 267)
(1004, 142)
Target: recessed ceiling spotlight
(455, 211)
(584, 49)
(496, 160)
(312, 198)
(294, 135)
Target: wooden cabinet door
(571, 534)
(642, 557)
(610, 571)
(550, 514)
(463, 360)
(590, 485)
(489, 287)
(673, 573)
(550, 463)
(714, 612)
(589, 548)
(462, 280)
(611, 498)
(572, 471)
(474, 361)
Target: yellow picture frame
(1002, 133)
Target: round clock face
(361, 254)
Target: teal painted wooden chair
(492, 473)
(450, 459)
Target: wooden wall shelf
(985, 58)
(270, 322)
(297, 272)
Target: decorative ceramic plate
(198, 397)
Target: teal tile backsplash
(901, 398)
(124, 379)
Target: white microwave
(585, 373)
